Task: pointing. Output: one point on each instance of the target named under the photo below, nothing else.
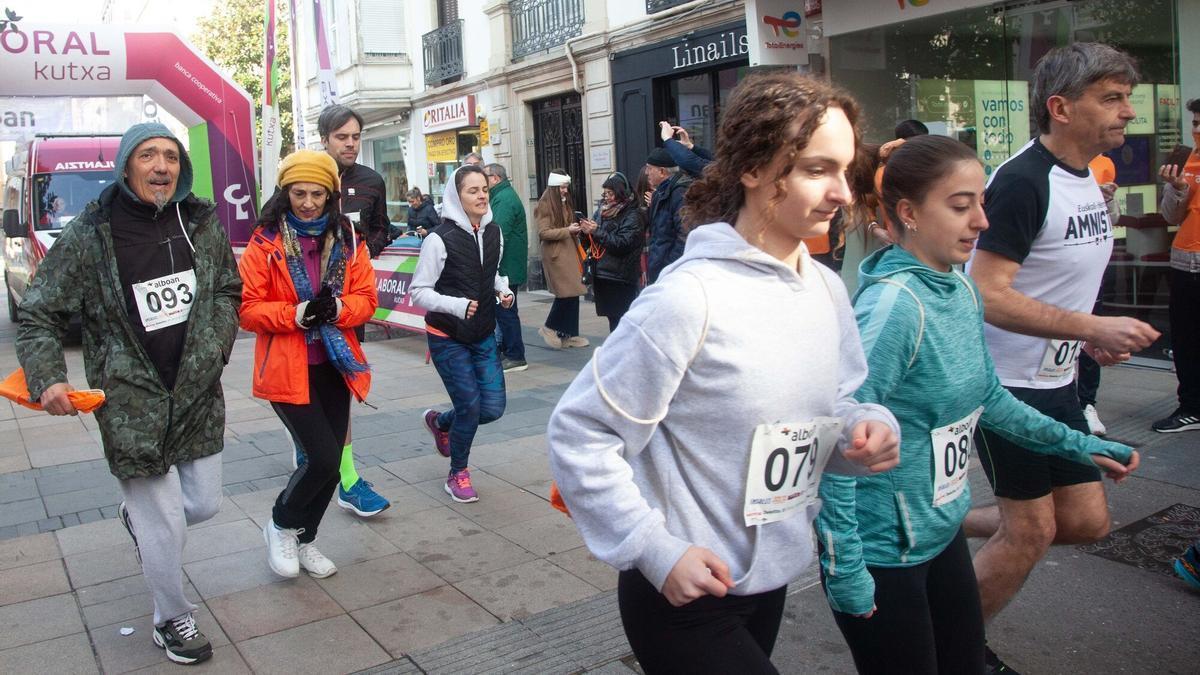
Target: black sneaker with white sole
(123, 514)
(183, 641)
(1180, 420)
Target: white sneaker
(1093, 419)
(315, 563)
(281, 549)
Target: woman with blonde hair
(558, 231)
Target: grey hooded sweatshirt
(650, 444)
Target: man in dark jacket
(509, 214)
(364, 201)
(150, 270)
(667, 235)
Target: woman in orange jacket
(308, 283)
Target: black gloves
(321, 309)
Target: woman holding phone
(558, 229)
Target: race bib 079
(951, 456)
(165, 301)
(786, 462)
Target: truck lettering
(85, 166)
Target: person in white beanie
(558, 230)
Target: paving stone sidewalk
(432, 586)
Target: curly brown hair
(768, 114)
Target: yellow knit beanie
(309, 166)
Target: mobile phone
(1179, 156)
(578, 216)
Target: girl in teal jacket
(895, 563)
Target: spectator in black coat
(614, 240)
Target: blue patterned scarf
(334, 276)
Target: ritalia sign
(453, 114)
(776, 32)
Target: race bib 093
(165, 301)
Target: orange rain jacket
(269, 309)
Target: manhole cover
(1152, 543)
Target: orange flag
(15, 389)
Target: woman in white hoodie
(690, 448)
(458, 284)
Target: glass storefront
(965, 75)
(694, 102)
(388, 154)
(445, 152)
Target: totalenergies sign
(109, 60)
(775, 31)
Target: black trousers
(564, 316)
(320, 429)
(1185, 337)
(927, 620)
(734, 634)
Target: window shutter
(381, 24)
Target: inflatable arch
(107, 60)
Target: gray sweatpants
(160, 510)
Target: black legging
(927, 618)
(733, 634)
(320, 429)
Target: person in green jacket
(895, 563)
(149, 269)
(509, 214)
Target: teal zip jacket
(922, 333)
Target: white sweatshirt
(779, 348)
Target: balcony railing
(443, 53)
(542, 24)
(653, 6)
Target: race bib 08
(951, 455)
(165, 301)
(1058, 361)
(786, 462)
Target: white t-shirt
(1052, 220)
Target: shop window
(965, 74)
(388, 154)
(446, 151)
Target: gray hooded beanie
(140, 133)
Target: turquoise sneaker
(362, 499)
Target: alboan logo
(912, 3)
(789, 24)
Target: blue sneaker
(299, 459)
(1187, 566)
(362, 499)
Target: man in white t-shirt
(1039, 267)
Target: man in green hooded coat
(149, 269)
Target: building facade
(579, 85)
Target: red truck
(50, 180)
